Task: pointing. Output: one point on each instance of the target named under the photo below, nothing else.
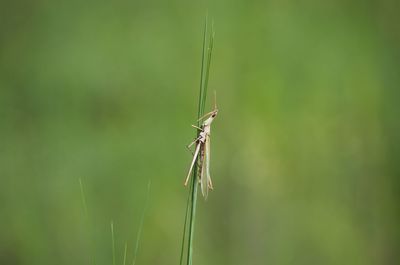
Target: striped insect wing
(207, 162)
(203, 173)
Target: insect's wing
(203, 171)
(205, 168)
(207, 159)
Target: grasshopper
(203, 149)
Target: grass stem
(87, 222)
(190, 215)
(139, 234)
(113, 242)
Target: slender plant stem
(190, 214)
(192, 219)
(139, 234)
(125, 250)
(185, 225)
(87, 222)
(113, 242)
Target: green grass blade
(139, 234)
(113, 242)
(87, 221)
(202, 95)
(125, 250)
(185, 225)
(192, 200)
(207, 72)
(192, 217)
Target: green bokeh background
(305, 150)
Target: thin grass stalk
(87, 223)
(113, 242)
(140, 229)
(125, 250)
(185, 225)
(192, 218)
(190, 214)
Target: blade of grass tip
(113, 242)
(125, 250)
(207, 69)
(141, 223)
(207, 73)
(203, 59)
(87, 223)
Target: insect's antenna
(215, 99)
(205, 115)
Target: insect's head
(214, 113)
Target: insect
(203, 150)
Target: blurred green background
(305, 150)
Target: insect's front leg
(188, 148)
(192, 143)
(197, 127)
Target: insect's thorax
(203, 136)
(207, 129)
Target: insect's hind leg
(210, 184)
(196, 153)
